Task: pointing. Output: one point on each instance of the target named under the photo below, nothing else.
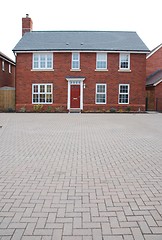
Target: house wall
(158, 91)
(25, 77)
(158, 97)
(6, 78)
(154, 62)
(154, 98)
(150, 95)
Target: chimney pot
(27, 15)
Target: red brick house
(154, 79)
(7, 83)
(7, 71)
(79, 70)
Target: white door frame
(73, 81)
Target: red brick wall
(154, 62)
(154, 95)
(158, 94)
(62, 65)
(158, 91)
(151, 101)
(6, 78)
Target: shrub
(112, 110)
(10, 110)
(37, 107)
(59, 109)
(22, 109)
(49, 109)
(120, 110)
(128, 109)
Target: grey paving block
(80, 176)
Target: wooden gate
(7, 99)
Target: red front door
(75, 96)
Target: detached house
(80, 70)
(154, 79)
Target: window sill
(42, 70)
(123, 103)
(100, 103)
(75, 70)
(124, 70)
(42, 103)
(101, 70)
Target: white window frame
(123, 93)
(98, 60)
(3, 65)
(99, 93)
(120, 61)
(39, 93)
(39, 61)
(73, 61)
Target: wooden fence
(7, 99)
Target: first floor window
(75, 60)
(9, 68)
(3, 66)
(101, 61)
(42, 61)
(123, 93)
(42, 93)
(100, 93)
(124, 61)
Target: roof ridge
(82, 31)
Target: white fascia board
(155, 50)
(7, 60)
(155, 84)
(86, 51)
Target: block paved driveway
(80, 176)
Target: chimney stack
(27, 24)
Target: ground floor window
(123, 93)
(42, 93)
(100, 93)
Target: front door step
(75, 110)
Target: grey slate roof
(81, 41)
(154, 78)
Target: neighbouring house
(7, 71)
(7, 83)
(154, 79)
(79, 70)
